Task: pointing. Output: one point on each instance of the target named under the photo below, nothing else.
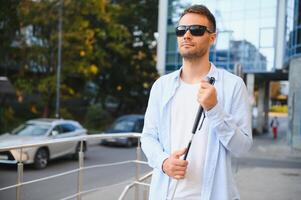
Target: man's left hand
(207, 95)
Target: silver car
(40, 130)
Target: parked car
(40, 130)
(125, 124)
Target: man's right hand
(175, 167)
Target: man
(173, 103)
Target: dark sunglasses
(195, 30)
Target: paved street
(270, 171)
(61, 187)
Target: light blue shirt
(229, 134)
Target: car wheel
(41, 159)
(77, 149)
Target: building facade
(293, 60)
(262, 36)
(246, 34)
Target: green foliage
(9, 26)
(97, 118)
(130, 79)
(110, 45)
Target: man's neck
(194, 70)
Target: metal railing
(78, 195)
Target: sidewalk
(270, 171)
(275, 171)
(114, 192)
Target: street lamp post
(59, 60)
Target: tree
(108, 44)
(9, 27)
(91, 38)
(132, 78)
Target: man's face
(193, 47)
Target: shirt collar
(213, 72)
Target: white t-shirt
(183, 111)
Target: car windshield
(31, 130)
(123, 125)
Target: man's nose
(187, 35)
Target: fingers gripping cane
(211, 80)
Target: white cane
(195, 126)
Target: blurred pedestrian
(274, 125)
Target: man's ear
(212, 38)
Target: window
(266, 37)
(67, 128)
(139, 126)
(126, 125)
(58, 129)
(31, 130)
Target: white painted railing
(138, 180)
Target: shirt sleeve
(150, 134)
(234, 129)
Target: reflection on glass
(293, 29)
(267, 37)
(268, 3)
(252, 5)
(223, 40)
(31, 130)
(237, 5)
(269, 54)
(267, 22)
(123, 126)
(268, 12)
(252, 25)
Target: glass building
(262, 36)
(293, 61)
(293, 30)
(246, 33)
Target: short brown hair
(201, 10)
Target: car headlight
(20, 157)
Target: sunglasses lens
(180, 30)
(197, 30)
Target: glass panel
(243, 19)
(299, 14)
(252, 5)
(267, 37)
(269, 54)
(124, 125)
(224, 16)
(224, 6)
(298, 50)
(237, 5)
(268, 3)
(211, 4)
(237, 16)
(179, 59)
(171, 42)
(252, 14)
(171, 58)
(267, 22)
(238, 27)
(31, 130)
(223, 40)
(252, 32)
(268, 13)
